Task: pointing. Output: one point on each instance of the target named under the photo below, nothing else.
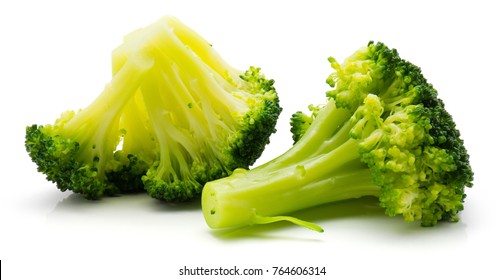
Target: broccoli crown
(409, 140)
(174, 116)
(383, 132)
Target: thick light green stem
(247, 197)
(321, 137)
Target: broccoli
(383, 133)
(174, 116)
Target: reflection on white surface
(127, 204)
(359, 217)
(133, 213)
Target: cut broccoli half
(174, 116)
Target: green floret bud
(57, 158)
(367, 70)
(174, 189)
(128, 175)
(300, 122)
(383, 132)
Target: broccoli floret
(300, 122)
(383, 132)
(175, 116)
(208, 118)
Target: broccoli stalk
(383, 132)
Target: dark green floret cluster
(300, 121)
(383, 132)
(174, 116)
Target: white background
(55, 55)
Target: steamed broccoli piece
(174, 116)
(383, 132)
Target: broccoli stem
(202, 48)
(96, 128)
(138, 136)
(215, 86)
(321, 137)
(247, 198)
(324, 166)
